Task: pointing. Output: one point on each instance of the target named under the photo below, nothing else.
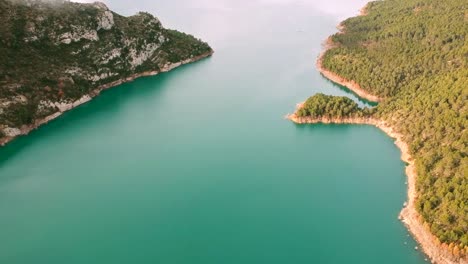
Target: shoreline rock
(63, 107)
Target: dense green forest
(414, 54)
(328, 106)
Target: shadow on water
(349, 91)
(328, 128)
(108, 102)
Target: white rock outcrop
(102, 76)
(106, 20)
(11, 131)
(137, 58)
(64, 106)
(77, 34)
(115, 53)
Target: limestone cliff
(55, 55)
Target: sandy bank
(63, 107)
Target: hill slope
(55, 55)
(414, 55)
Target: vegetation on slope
(414, 53)
(328, 106)
(54, 52)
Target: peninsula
(56, 55)
(411, 56)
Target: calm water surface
(199, 166)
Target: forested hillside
(414, 54)
(54, 52)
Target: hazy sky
(339, 8)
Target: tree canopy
(414, 53)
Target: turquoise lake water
(198, 165)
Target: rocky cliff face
(54, 54)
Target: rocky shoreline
(436, 251)
(63, 107)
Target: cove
(198, 165)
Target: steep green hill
(414, 53)
(54, 52)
